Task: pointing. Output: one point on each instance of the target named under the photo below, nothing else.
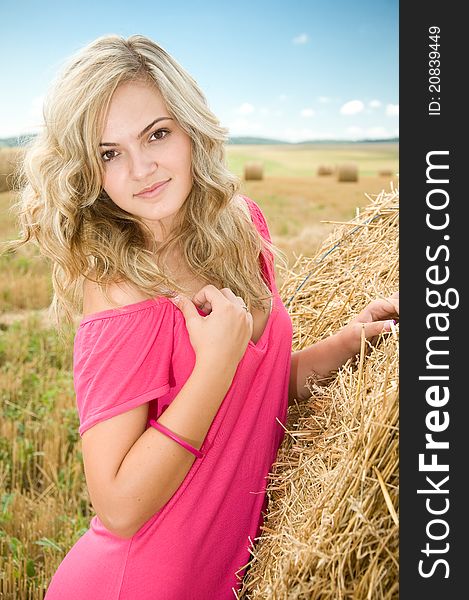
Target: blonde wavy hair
(64, 210)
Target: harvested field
(46, 504)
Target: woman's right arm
(131, 472)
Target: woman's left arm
(326, 356)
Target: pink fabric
(197, 546)
(157, 425)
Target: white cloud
(377, 132)
(301, 39)
(28, 119)
(352, 108)
(242, 126)
(293, 134)
(324, 99)
(245, 109)
(282, 97)
(307, 112)
(14, 128)
(374, 103)
(265, 111)
(354, 131)
(392, 110)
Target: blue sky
(292, 70)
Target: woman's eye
(159, 131)
(111, 154)
(105, 155)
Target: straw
(331, 525)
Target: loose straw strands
(331, 528)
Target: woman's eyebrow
(143, 132)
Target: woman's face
(139, 153)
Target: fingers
(375, 328)
(229, 295)
(389, 303)
(394, 302)
(379, 310)
(241, 302)
(185, 305)
(210, 296)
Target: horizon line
(232, 139)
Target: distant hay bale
(9, 162)
(331, 528)
(386, 173)
(325, 170)
(347, 172)
(253, 171)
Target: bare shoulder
(120, 293)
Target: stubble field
(44, 505)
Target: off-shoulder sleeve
(267, 261)
(122, 359)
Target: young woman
(183, 362)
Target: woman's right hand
(221, 337)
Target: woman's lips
(153, 191)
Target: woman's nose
(142, 165)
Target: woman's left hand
(323, 358)
(374, 319)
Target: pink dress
(197, 545)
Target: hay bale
(347, 172)
(386, 173)
(331, 526)
(253, 171)
(325, 170)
